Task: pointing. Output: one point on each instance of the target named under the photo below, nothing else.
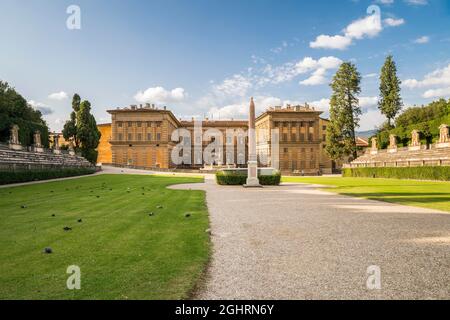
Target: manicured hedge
(7, 177)
(240, 178)
(419, 173)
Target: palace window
(139, 136)
(119, 124)
(302, 137)
(120, 137)
(130, 124)
(286, 150)
(293, 137)
(130, 137)
(158, 136)
(324, 137)
(149, 136)
(139, 124)
(285, 137)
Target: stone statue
(14, 142)
(374, 147)
(56, 148)
(71, 147)
(393, 141)
(14, 135)
(444, 134)
(415, 138)
(37, 141)
(252, 177)
(374, 143)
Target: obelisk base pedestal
(252, 179)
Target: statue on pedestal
(392, 143)
(37, 141)
(56, 148)
(415, 140)
(444, 139)
(14, 142)
(71, 147)
(374, 147)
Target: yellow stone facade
(141, 137)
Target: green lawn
(427, 194)
(122, 251)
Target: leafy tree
(82, 128)
(14, 109)
(344, 112)
(390, 102)
(70, 127)
(87, 132)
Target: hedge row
(419, 173)
(7, 177)
(236, 179)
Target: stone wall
(11, 159)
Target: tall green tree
(82, 128)
(14, 109)
(344, 112)
(390, 102)
(87, 132)
(70, 127)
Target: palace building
(140, 136)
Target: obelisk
(252, 177)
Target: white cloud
(391, 22)
(371, 75)
(367, 103)
(160, 95)
(317, 78)
(44, 109)
(331, 42)
(417, 2)
(438, 77)
(291, 70)
(385, 1)
(322, 104)
(438, 81)
(239, 110)
(58, 96)
(422, 40)
(371, 120)
(437, 93)
(237, 85)
(369, 26)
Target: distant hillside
(426, 119)
(366, 134)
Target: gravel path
(295, 242)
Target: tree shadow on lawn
(440, 201)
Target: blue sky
(208, 57)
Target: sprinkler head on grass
(187, 215)
(151, 214)
(67, 228)
(80, 220)
(23, 206)
(47, 250)
(159, 207)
